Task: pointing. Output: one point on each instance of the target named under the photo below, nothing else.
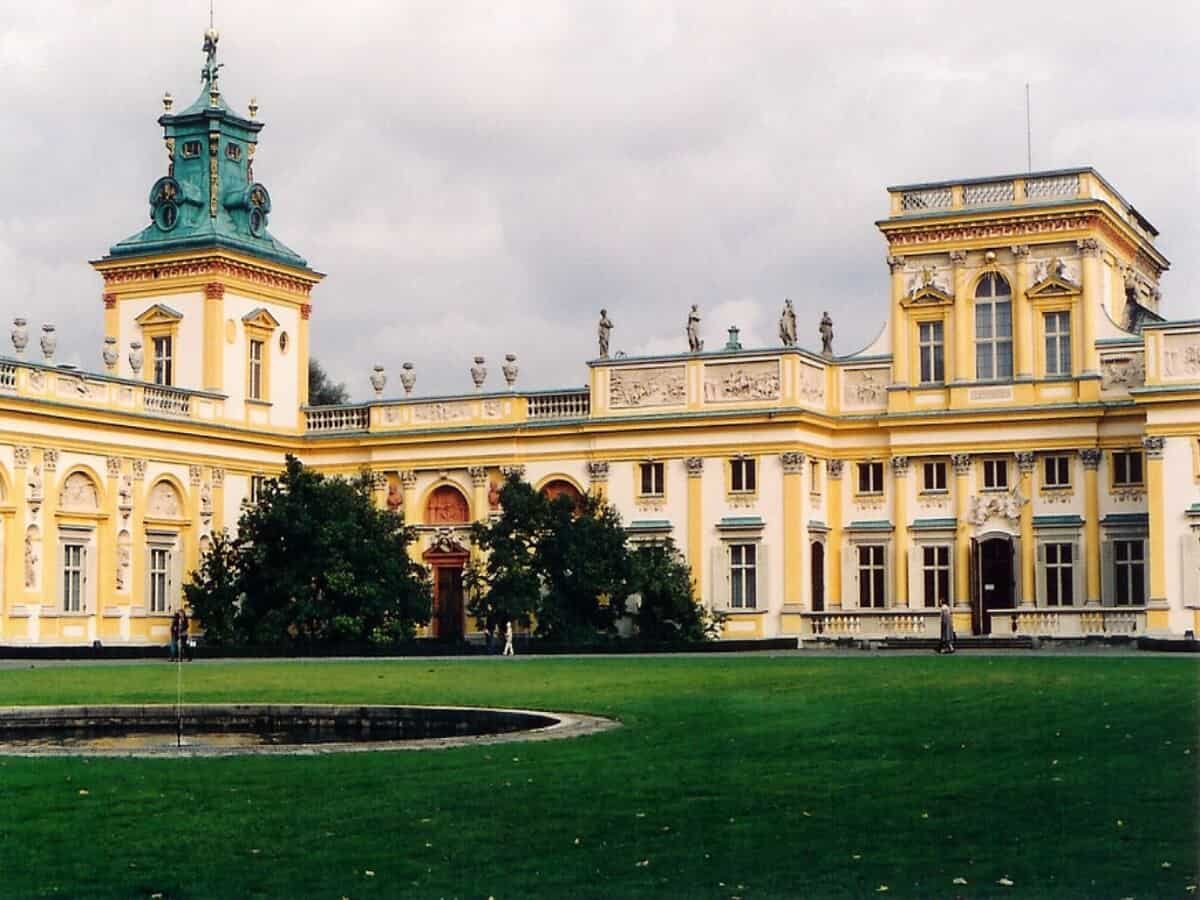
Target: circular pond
(244, 728)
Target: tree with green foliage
(323, 390)
(504, 587)
(314, 562)
(668, 610)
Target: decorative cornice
(1026, 461)
(1154, 445)
(900, 234)
(694, 466)
(122, 273)
(793, 462)
(961, 463)
(1091, 457)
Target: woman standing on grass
(946, 645)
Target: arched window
(993, 329)
(560, 487)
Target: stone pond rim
(222, 729)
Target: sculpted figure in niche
(31, 560)
(164, 501)
(123, 560)
(602, 332)
(787, 325)
(395, 498)
(33, 484)
(693, 330)
(125, 492)
(494, 495)
(206, 501)
(826, 334)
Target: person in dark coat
(179, 635)
(946, 644)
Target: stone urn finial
(20, 336)
(408, 378)
(378, 379)
(733, 343)
(136, 358)
(110, 353)
(510, 369)
(479, 373)
(49, 341)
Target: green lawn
(733, 776)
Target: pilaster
(1022, 311)
(479, 492)
(412, 516)
(964, 325)
(1092, 302)
(900, 468)
(112, 318)
(213, 368)
(962, 534)
(1025, 463)
(302, 357)
(218, 499)
(106, 570)
(1156, 616)
(598, 478)
(794, 527)
(49, 527)
(137, 531)
(14, 544)
(695, 521)
(900, 363)
(833, 559)
(1091, 524)
(191, 537)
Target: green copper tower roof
(209, 197)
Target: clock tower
(216, 301)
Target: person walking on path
(179, 635)
(508, 645)
(946, 644)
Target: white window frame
(938, 469)
(866, 587)
(1059, 573)
(936, 567)
(163, 347)
(164, 542)
(74, 576)
(987, 306)
(931, 345)
(1042, 539)
(992, 466)
(743, 575)
(1058, 342)
(657, 479)
(255, 363)
(256, 486)
(159, 570)
(1055, 468)
(743, 469)
(1121, 470)
(873, 469)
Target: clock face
(256, 222)
(166, 216)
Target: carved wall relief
(646, 387)
(1181, 356)
(124, 560)
(440, 412)
(865, 387)
(741, 381)
(33, 556)
(811, 385)
(165, 502)
(1123, 371)
(79, 492)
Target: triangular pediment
(1053, 286)
(928, 295)
(260, 317)
(159, 314)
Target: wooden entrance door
(448, 604)
(817, 568)
(995, 579)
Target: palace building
(1021, 441)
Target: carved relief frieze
(1121, 371)
(1181, 355)
(865, 387)
(79, 493)
(164, 502)
(440, 412)
(730, 382)
(635, 388)
(811, 384)
(1006, 506)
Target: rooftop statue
(787, 325)
(826, 335)
(602, 332)
(211, 68)
(695, 345)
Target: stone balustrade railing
(166, 401)
(1070, 621)
(338, 418)
(871, 623)
(563, 405)
(8, 377)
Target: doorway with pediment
(447, 513)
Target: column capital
(895, 263)
(214, 290)
(139, 469)
(479, 475)
(1091, 457)
(1088, 247)
(1020, 251)
(378, 480)
(20, 457)
(1154, 445)
(218, 476)
(835, 468)
(113, 465)
(958, 257)
(110, 300)
(900, 466)
(597, 471)
(49, 459)
(793, 462)
(1025, 461)
(695, 466)
(516, 469)
(961, 463)
(408, 478)
(194, 476)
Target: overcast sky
(481, 178)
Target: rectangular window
(871, 576)
(743, 576)
(1058, 343)
(1060, 574)
(256, 370)
(1056, 471)
(995, 474)
(1129, 557)
(652, 479)
(741, 476)
(256, 487)
(1127, 467)
(74, 576)
(870, 478)
(935, 565)
(933, 353)
(160, 579)
(934, 477)
(163, 361)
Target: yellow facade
(814, 495)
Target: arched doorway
(993, 580)
(446, 557)
(817, 570)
